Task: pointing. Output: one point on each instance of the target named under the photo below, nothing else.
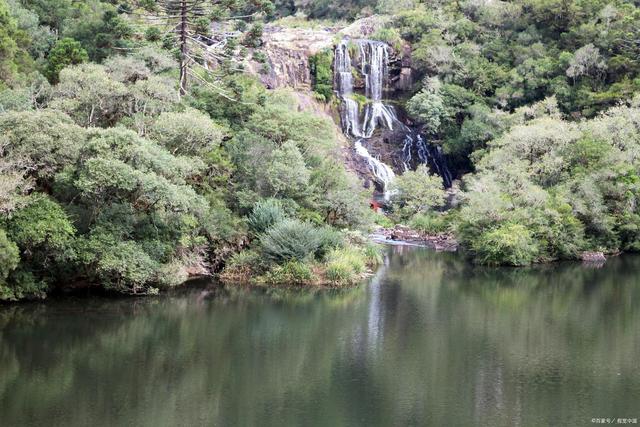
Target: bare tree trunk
(183, 47)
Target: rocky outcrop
(593, 257)
(365, 27)
(287, 53)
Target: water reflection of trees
(433, 341)
(563, 337)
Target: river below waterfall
(428, 341)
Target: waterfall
(378, 114)
(381, 171)
(349, 111)
(428, 154)
(374, 62)
(373, 57)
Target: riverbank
(404, 235)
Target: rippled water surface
(429, 341)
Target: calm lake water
(429, 341)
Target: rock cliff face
(288, 51)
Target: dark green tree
(67, 51)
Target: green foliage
(291, 240)
(429, 223)
(510, 244)
(41, 225)
(66, 51)
(9, 258)
(153, 34)
(14, 59)
(287, 154)
(108, 177)
(559, 187)
(322, 73)
(390, 36)
(292, 272)
(187, 133)
(102, 34)
(417, 191)
(121, 265)
(345, 265)
(428, 107)
(265, 214)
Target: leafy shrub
(291, 240)
(67, 51)
(390, 36)
(119, 265)
(290, 273)
(330, 238)
(41, 226)
(345, 265)
(510, 244)
(266, 213)
(340, 273)
(428, 223)
(322, 74)
(153, 34)
(417, 191)
(24, 284)
(382, 220)
(9, 258)
(241, 266)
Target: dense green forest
(122, 166)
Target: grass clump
(290, 273)
(430, 223)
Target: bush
(67, 51)
(330, 238)
(509, 244)
(383, 221)
(345, 265)
(373, 253)
(428, 223)
(9, 257)
(42, 227)
(390, 36)
(266, 213)
(291, 240)
(340, 273)
(322, 74)
(417, 191)
(241, 266)
(290, 273)
(153, 34)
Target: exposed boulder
(401, 234)
(593, 257)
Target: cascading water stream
(428, 154)
(374, 57)
(381, 171)
(374, 60)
